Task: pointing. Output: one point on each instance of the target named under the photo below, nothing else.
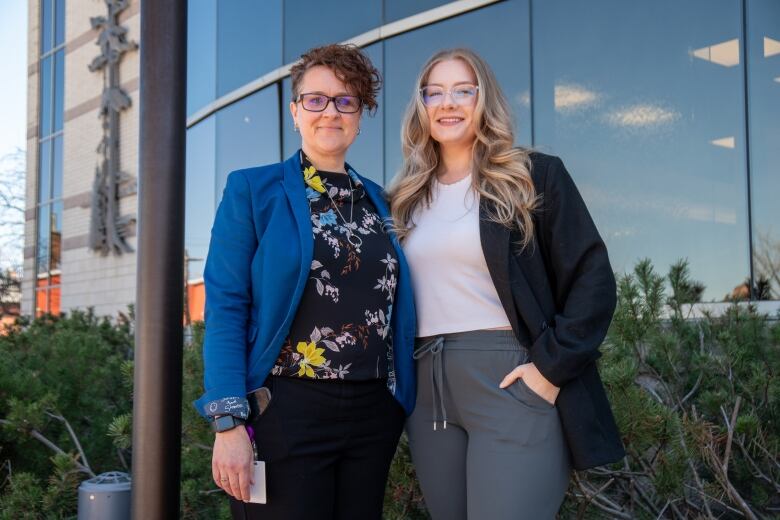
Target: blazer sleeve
(581, 277)
(227, 278)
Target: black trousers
(327, 446)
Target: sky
(13, 63)
(13, 109)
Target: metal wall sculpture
(108, 229)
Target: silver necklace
(348, 225)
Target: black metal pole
(159, 299)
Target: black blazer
(559, 294)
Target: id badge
(257, 490)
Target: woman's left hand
(534, 380)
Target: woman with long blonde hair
(514, 294)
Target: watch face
(224, 423)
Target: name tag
(257, 490)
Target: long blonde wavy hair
(500, 171)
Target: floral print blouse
(342, 326)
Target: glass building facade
(666, 114)
(48, 244)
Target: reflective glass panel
(46, 25)
(763, 23)
(41, 302)
(644, 103)
(56, 236)
(42, 248)
(397, 9)
(249, 41)
(247, 134)
(308, 23)
(54, 298)
(59, 88)
(45, 112)
(201, 54)
(59, 22)
(366, 153)
(498, 33)
(56, 187)
(44, 171)
(200, 196)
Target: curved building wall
(666, 114)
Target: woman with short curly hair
(309, 303)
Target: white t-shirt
(453, 290)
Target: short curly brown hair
(349, 63)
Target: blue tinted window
(248, 134)
(764, 102)
(59, 88)
(56, 186)
(46, 25)
(291, 140)
(644, 103)
(249, 41)
(366, 153)
(44, 171)
(44, 239)
(498, 33)
(201, 54)
(397, 9)
(200, 194)
(56, 236)
(309, 24)
(46, 97)
(59, 22)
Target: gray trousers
(482, 452)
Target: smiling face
(452, 124)
(326, 134)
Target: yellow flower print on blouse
(313, 180)
(312, 356)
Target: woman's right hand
(231, 462)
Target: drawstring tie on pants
(436, 348)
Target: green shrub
(697, 402)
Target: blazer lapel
(495, 239)
(295, 189)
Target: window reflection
(763, 54)
(200, 193)
(397, 9)
(247, 134)
(308, 24)
(249, 41)
(44, 239)
(726, 53)
(771, 47)
(201, 54)
(56, 174)
(55, 242)
(46, 25)
(45, 112)
(44, 171)
(654, 140)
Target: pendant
(358, 241)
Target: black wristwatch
(223, 423)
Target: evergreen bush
(697, 402)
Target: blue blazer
(258, 262)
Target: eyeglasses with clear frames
(319, 102)
(433, 96)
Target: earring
(295, 128)
(358, 132)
